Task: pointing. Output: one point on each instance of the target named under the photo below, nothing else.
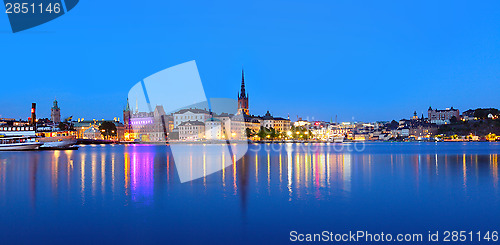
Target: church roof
(193, 110)
(54, 105)
(192, 123)
(91, 130)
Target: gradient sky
(362, 61)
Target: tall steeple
(55, 112)
(136, 106)
(243, 92)
(126, 117)
(127, 107)
(243, 96)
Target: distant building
(468, 115)
(190, 114)
(214, 129)
(150, 126)
(55, 113)
(418, 128)
(92, 132)
(192, 130)
(414, 117)
(82, 126)
(442, 116)
(302, 123)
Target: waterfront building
(364, 128)
(442, 116)
(267, 120)
(252, 123)
(423, 130)
(417, 128)
(92, 132)
(403, 132)
(190, 114)
(321, 130)
(191, 131)
(302, 123)
(214, 129)
(82, 125)
(55, 113)
(147, 126)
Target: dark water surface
(132, 194)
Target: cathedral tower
(55, 113)
(243, 97)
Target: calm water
(132, 194)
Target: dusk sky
(362, 61)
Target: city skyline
(371, 63)
(41, 114)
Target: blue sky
(363, 61)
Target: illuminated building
(302, 123)
(443, 116)
(213, 129)
(147, 126)
(55, 113)
(190, 114)
(92, 132)
(192, 130)
(82, 125)
(278, 123)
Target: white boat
(336, 139)
(57, 142)
(18, 143)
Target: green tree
(107, 129)
(262, 133)
(65, 126)
(250, 133)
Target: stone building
(442, 116)
(55, 113)
(192, 131)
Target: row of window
(17, 128)
(190, 117)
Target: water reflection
(139, 174)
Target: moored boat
(57, 142)
(337, 139)
(18, 143)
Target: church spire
(136, 106)
(127, 107)
(243, 93)
(243, 97)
